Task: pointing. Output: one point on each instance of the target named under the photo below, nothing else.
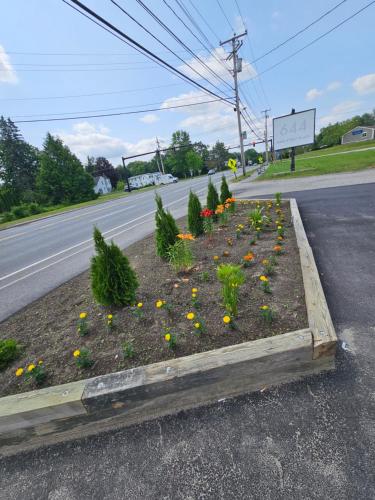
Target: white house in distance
(359, 134)
(102, 185)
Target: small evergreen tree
(224, 190)
(166, 229)
(113, 281)
(195, 220)
(212, 197)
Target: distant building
(359, 134)
(102, 185)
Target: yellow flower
(194, 290)
(31, 367)
(19, 372)
(167, 337)
(77, 353)
(226, 319)
(197, 325)
(140, 305)
(110, 316)
(83, 315)
(263, 278)
(264, 308)
(159, 304)
(258, 228)
(216, 257)
(40, 362)
(279, 227)
(265, 262)
(194, 295)
(190, 315)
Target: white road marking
(13, 236)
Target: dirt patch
(48, 327)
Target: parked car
(167, 179)
(212, 171)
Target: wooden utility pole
(237, 68)
(266, 130)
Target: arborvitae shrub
(9, 351)
(224, 190)
(166, 229)
(212, 197)
(195, 220)
(113, 281)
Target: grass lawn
(349, 162)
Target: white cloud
(313, 94)
(151, 118)
(86, 139)
(339, 112)
(333, 86)
(7, 72)
(217, 62)
(365, 84)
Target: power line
(224, 14)
(80, 54)
(317, 39)
(107, 26)
(117, 114)
(299, 32)
(171, 33)
(88, 95)
(204, 20)
(164, 45)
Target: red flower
(207, 213)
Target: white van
(167, 179)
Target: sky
(54, 62)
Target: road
(37, 257)
(309, 440)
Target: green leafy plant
(83, 326)
(37, 373)
(266, 313)
(204, 276)
(113, 281)
(9, 351)
(128, 349)
(180, 256)
(170, 338)
(231, 277)
(257, 219)
(224, 190)
(212, 197)
(83, 358)
(265, 284)
(278, 199)
(195, 219)
(166, 229)
(268, 267)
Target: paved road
(309, 440)
(37, 257)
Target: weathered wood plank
(319, 317)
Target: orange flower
(230, 200)
(249, 257)
(277, 248)
(187, 236)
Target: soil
(47, 329)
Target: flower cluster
(186, 236)
(206, 212)
(219, 209)
(35, 372)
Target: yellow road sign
(232, 164)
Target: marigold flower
(263, 278)
(248, 257)
(197, 325)
(190, 315)
(279, 227)
(265, 262)
(226, 319)
(264, 308)
(140, 305)
(187, 236)
(31, 367)
(40, 362)
(194, 295)
(194, 290)
(83, 315)
(110, 316)
(159, 304)
(277, 248)
(216, 257)
(226, 253)
(19, 372)
(167, 337)
(77, 353)
(280, 238)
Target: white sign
(292, 130)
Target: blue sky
(336, 75)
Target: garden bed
(47, 329)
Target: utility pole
(266, 131)
(126, 175)
(293, 153)
(159, 155)
(237, 68)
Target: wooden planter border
(82, 408)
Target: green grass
(68, 208)
(349, 162)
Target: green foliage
(180, 256)
(256, 218)
(278, 198)
(193, 162)
(251, 155)
(195, 220)
(231, 277)
(224, 190)
(38, 374)
(219, 156)
(61, 177)
(84, 360)
(212, 197)
(9, 351)
(331, 135)
(120, 186)
(128, 349)
(113, 281)
(166, 229)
